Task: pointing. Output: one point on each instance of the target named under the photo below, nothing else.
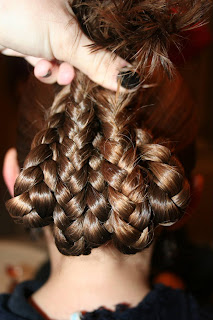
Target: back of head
(102, 167)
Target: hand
(46, 34)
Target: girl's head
(103, 166)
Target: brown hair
(102, 167)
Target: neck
(104, 278)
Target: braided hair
(101, 169)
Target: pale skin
(48, 36)
(104, 278)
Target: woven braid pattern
(91, 173)
(34, 201)
(169, 190)
(146, 184)
(95, 177)
(61, 182)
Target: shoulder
(15, 306)
(161, 303)
(4, 312)
(175, 304)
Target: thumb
(103, 67)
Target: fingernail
(129, 79)
(48, 74)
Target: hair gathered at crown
(140, 31)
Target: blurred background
(20, 254)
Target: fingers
(46, 71)
(58, 36)
(102, 67)
(51, 71)
(66, 73)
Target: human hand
(48, 36)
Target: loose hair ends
(140, 31)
